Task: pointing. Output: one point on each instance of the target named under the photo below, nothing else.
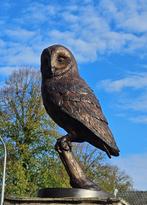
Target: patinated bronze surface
(73, 106)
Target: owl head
(57, 60)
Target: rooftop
(134, 197)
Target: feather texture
(73, 106)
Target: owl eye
(61, 59)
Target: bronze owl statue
(71, 103)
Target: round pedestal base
(71, 192)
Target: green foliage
(30, 136)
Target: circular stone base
(71, 192)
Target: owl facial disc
(60, 60)
(57, 60)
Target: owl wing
(78, 101)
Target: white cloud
(19, 54)
(23, 56)
(7, 70)
(130, 96)
(143, 66)
(81, 47)
(135, 166)
(138, 103)
(89, 30)
(102, 30)
(139, 119)
(39, 12)
(136, 23)
(127, 15)
(2, 43)
(96, 37)
(135, 81)
(20, 34)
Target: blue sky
(109, 41)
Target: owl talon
(57, 148)
(63, 144)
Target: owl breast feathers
(71, 103)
